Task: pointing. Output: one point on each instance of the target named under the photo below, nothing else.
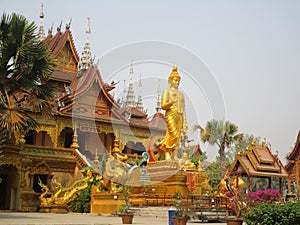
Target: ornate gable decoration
(63, 48)
(89, 97)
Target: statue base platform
(167, 179)
(106, 203)
(61, 209)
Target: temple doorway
(9, 199)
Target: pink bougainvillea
(264, 196)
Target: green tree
(220, 133)
(25, 66)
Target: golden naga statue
(173, 102)
(63, 196)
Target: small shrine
(258, 161)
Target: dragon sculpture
(64, 195)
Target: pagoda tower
(86, 57)
(130, 98)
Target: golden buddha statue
(173, 102)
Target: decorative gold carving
(63, 196)
(65, 59)
(12, 160)
(85, 127)
(116, 151)
(41, 168)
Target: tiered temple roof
(258, 161)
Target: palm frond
(25, 67)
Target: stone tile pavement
(19, 218)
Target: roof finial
(42, 11)
(88, 29)
(86, 59)
(68, 25)
(139, 103)
(59, 27)
(50, 30)
(41, 35)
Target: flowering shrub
(264, 196)
(273, 214)
(240, 202)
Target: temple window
(43, 139)
(68, 133)
(30, 137)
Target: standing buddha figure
(173, 103)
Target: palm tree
(222, 133)
(25, 66)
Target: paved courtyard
(77, 218)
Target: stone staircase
(205, 215)
(153, 211)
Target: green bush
(274, 214)
(82, 203)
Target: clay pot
(234, 221)
(179, 220)
(127, 218)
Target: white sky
(251, 49)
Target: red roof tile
(158, 121)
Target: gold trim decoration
(86, 127)
(12, 160)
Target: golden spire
(74, 141)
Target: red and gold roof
(258, 161)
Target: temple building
(293, 167)
(86, 120)
(258, 161)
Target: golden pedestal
(106, 203)
(167, 179)
(62, 209)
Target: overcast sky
(239, 60)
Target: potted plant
(127, 216)
(182, 210)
